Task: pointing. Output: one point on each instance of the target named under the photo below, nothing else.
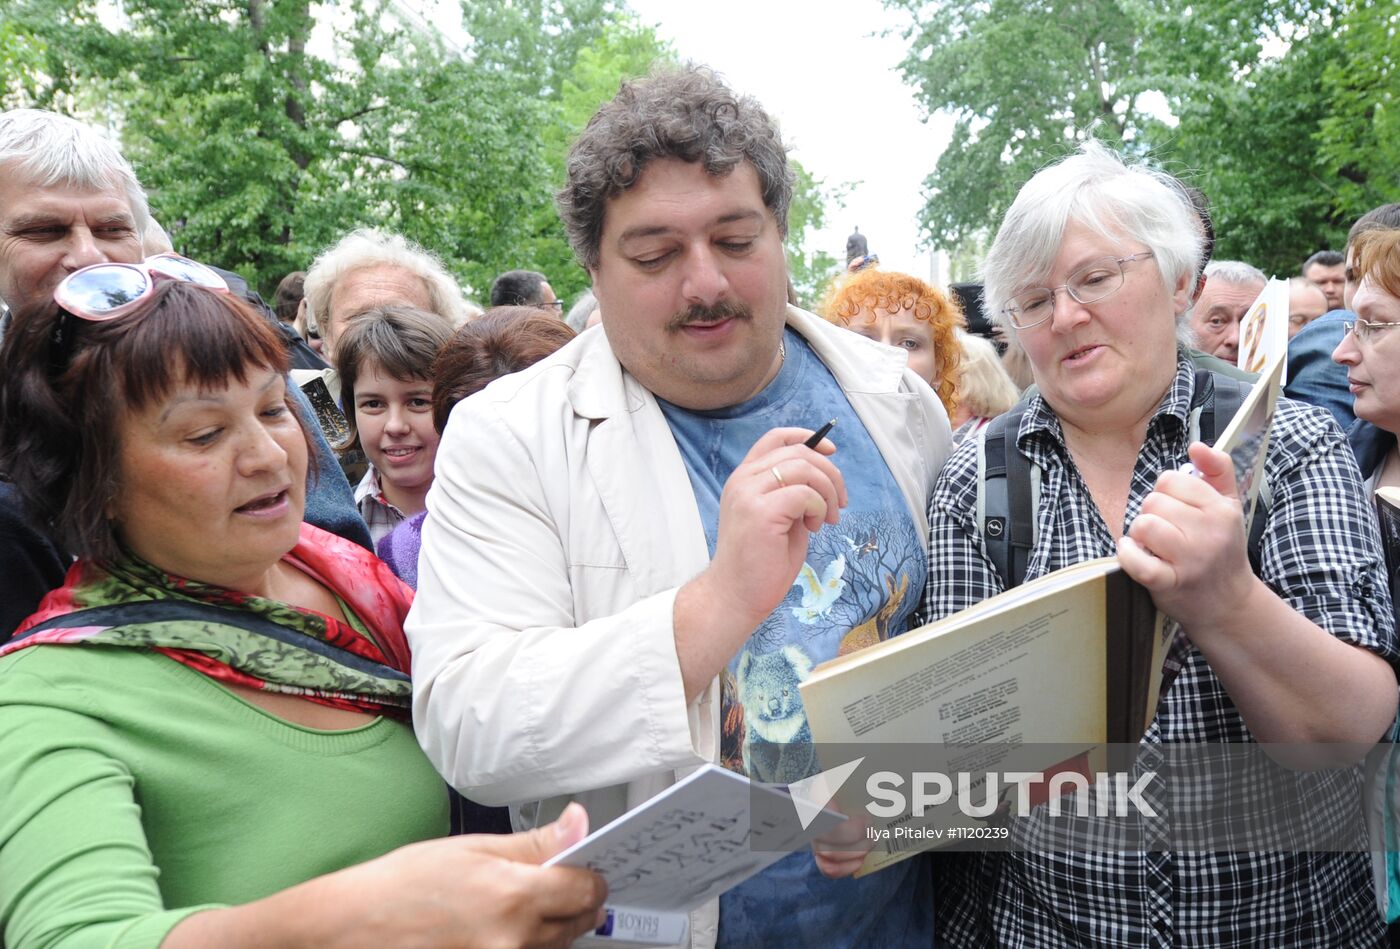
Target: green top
(135, 790)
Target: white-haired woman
(1092, 272)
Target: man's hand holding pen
(786, 487)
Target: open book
(1041, 677)
(1246, 438)
(1069, 662)
(1264, 329)
(683, 848)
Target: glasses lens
(1096, 281)
(1031, 307)
(182, 268)
(96, 292)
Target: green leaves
(1026, 81)
(1359, 134)
(1282, 111)
(259, 147)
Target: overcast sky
(831, 80)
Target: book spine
(1130, 625)
(1118, 655)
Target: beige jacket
(561, 523)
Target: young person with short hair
(385, 358)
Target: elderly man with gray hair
(369, 268)
(68, 199)
(1231, 286)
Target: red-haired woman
(903, 311)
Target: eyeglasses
(1362, 329)
(554, 303)
(107, 291)
(1089, 284)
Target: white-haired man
(68, 199)
(369, 268)
(1231, 286)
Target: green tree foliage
(1282, 111)
(537, 42)
(1360, 132)
(1025, 82)
(259, 151)
(624, 50)
(1251, 147)
(811, 273)
(1243, 79)
(260, 147)
(21, 60)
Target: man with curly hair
(629, 543)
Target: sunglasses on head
(107, 291)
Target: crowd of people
(328, 623)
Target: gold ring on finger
(777, 476)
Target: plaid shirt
(1321, 555)
(381, 516)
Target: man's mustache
(700, 315)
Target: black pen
(818, 435)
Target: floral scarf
(243, 639)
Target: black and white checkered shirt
(1321, 554)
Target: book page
(1030, 670)
(1264, 329)
(690, 843)
(1006, 600)
(1020, 681)
(1246, 437)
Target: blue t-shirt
(860, 584)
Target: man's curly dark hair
(686, 113)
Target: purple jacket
(399, 548)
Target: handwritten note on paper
(690, 843)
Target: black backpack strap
(1006, 497)
(1204, 403)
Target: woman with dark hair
(286, 300)
(204, 733)
(505, 339)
